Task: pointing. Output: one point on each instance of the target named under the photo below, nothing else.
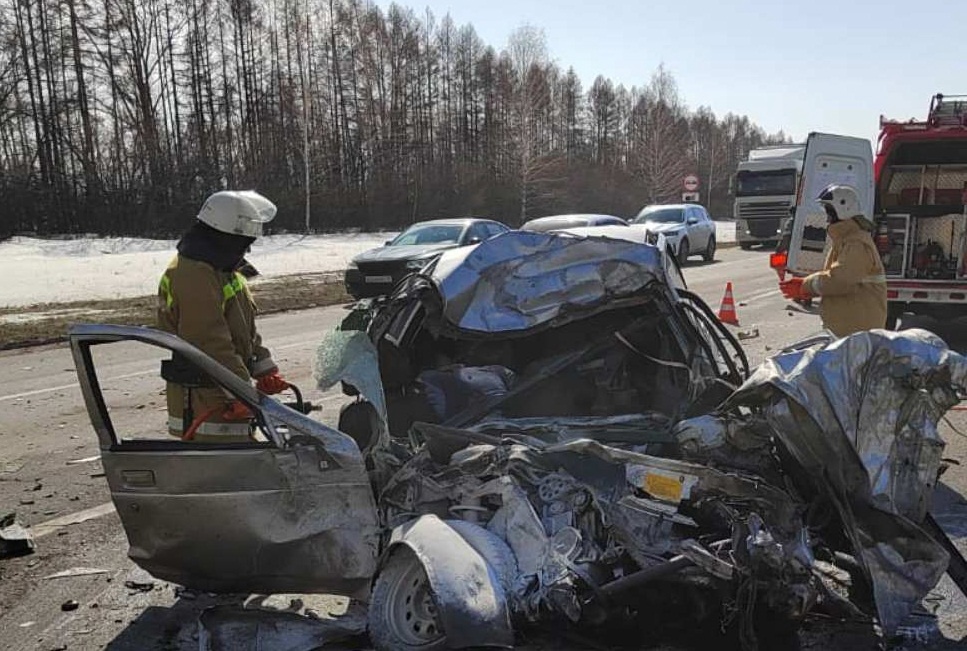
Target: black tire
(709, 254)
(403, 614)
(684, 250)
(359, 420)
(745, 246)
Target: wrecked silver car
(552, 429)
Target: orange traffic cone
(727, 311)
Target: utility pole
(305, 117)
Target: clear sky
(817, 65)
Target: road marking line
(62, 387)
(25, 394)
(296, 345)
(49, 527)
(73, 385)
(761, 295)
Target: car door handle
(138, 478)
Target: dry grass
(48, 322)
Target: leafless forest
(120, 116)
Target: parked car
(376, 272)
(545, 450)
(687, 228)
(562, 222)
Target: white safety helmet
(842, 202)
(239, 212)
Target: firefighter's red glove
(794, 290)
(271, 383)
(237, 411)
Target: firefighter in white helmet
(852, 284)
(203, 298)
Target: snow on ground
(63, 270)
(45, 271)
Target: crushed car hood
(520, 280)
(400, 253)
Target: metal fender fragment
(471, 601)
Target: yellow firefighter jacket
(852, 283)
(214, 311)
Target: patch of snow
(59, 270)
(725, 231)
(27, 317)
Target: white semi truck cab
(765, 190)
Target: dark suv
(376, 272)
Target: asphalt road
(49, 478)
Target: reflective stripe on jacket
(214, 311)
(852, 284)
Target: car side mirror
(387, 242)
(474, 240)
(692, 221)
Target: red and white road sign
(690, 183)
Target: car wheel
(402, 613)
(745, 246)
(683, 251)
(709, 254)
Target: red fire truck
(916, 191)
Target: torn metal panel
(521, 280)
(732, 442)
(860, 416)
(883, 393)
(655, 528)
(635, 429)
(518, 523)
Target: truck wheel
(745, 246)
(403, 614)
(709, 254)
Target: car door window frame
(268, 414)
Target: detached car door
(290, 511)
(828, 159)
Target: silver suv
(686, 227)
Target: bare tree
(122, 115)
(660, 139)
(539, 166)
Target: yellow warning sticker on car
(661, 483)
(662, 487)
